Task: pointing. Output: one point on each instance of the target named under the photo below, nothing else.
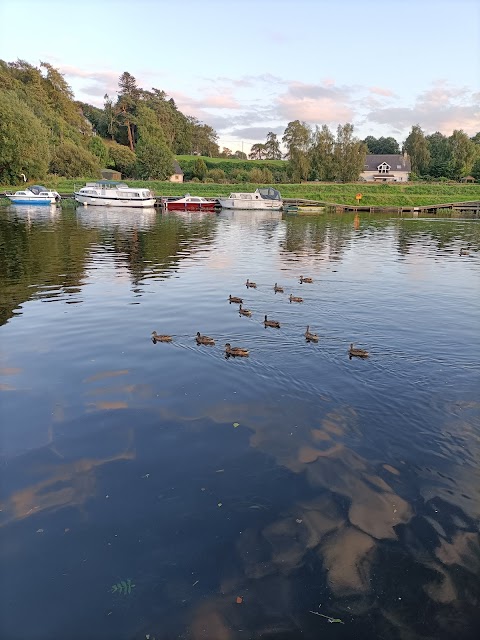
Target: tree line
(43, 130)
(316, 154)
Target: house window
(383, 168)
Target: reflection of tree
(31, 257)
(54, 254)
(159, 247)
(443, 235)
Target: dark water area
(163, 491)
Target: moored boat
(263, 198)
(190, 203)
(36, 194)
(106, 193)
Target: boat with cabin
(108, 193)
(262, 198)
(36, 194)
(189, 203)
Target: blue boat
(36, 194)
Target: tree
(349, 154)
(154, 158)
(98, 148)
(240, 155)
(257, 152)
(463, 153)
(475, 172)
(382, 145)
(417, 148)
(199, 169)
(272, 147)
(226, 153)
(128, 97)
(296, 137)
(298, 165)
(123, 159)
(23, 141)
(110, 117)
(440, 155)
(217, 175)
(321, 154)
(72, 161)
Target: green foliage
(154, 158)
(349, 154)
(72, 161)
(199, 169)
(297, 139)
(475, 172)
(123, 159)
(97, 147)
(123, 588)
(381, 145)
(217, 175)
(23, 141)
(417, 148)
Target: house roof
(177, 169)
(373, 160)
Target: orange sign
(358, 196)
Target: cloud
(256, 133)
(440, 108)
(380, 91)
(316, 103)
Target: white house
(177, 175)
(388, 167)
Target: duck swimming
(310, 337)
(160, 337)
(359, 353)
(271, 323)
(204, 339)
(277, 289)
(251, 285)
(295, 299)
(308, 280)
(244, 312)
(235, 299)
(236, 351)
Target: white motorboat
(263, 198)
(36, 194)
(106, 193)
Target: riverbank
(373, 195)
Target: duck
(277, 289)
(160, 337)
(235, 299)
(464, 252)
(204, 339)
(359, 353)
(310, 337)
(308, 280)
(271, 323)
(295, 299)
(244, 312)
(236, 351)
(251, 285)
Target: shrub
(72, 161)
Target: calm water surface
(162, 490)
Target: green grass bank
(378, 195)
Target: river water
(165, 491)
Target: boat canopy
(109, 184)
(36, 189)
(269, 193)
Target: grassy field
(378, 195)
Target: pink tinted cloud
(314, 110)
(380, 91)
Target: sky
(247, 67)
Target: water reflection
(290, 495)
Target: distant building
(468, 179)
(177, 175)
(387, 167)
(110, 174)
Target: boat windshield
(36, 189)
(269, 193)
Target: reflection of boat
(122, 218)
(36, 194)
(106, 193)
(264, 198)
(190, 203)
